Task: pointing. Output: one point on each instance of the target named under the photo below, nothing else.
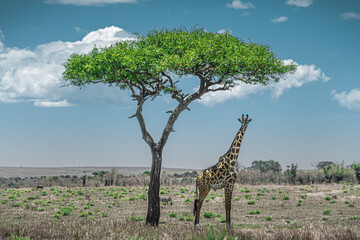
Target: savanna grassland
(329, 211)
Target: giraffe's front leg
(203, 192)
(228, 197)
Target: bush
(65, 211)
(257, 211)
(327, 212)
(136, 218)
(209, 215)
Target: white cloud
(1, 35)
(299, 3)
(279, 19)
(304, 74)
(80, 30)
(237, 4)
(350, 99)
(88, 2)
(351, 15)
(63, 103)
(222, 31)
(36, 75)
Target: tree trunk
(153, 214)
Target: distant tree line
(260, 172)
(270, 171)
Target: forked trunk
(153, 214)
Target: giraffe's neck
(233, 153)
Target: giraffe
(221, 175)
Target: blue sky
(308, 117)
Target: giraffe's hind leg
(203, 192)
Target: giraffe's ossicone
(221, 175)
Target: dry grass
(297, 212)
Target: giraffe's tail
(196, 198)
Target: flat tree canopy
(217, 59)
(147, 67)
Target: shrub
(104, 214)
(136, 218)
(173, 215)
(82, 214)
(268, 218)
(257, 211)
(248, 196)
(209, 215)
(16, 205)
(327, 212)
(65, 211)
(251, 202)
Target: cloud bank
(88, 2)
(36, 75)
(304, 74)
(350, 100)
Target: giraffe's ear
(239, 119)
(250, 120)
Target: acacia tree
(153, 64)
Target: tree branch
(141, 98)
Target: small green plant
(136, 218)
(287, 220)
(16, 205)
(65, 211)
(327, 212)
(327, 198)
(268, 218)
(4, 201)
(353, 218)
(257, 211)
(286, 198)
(248, 196)
(251, 202)
(351, 205)
(302, 196)
(209, 215)
(325, 218)
(173, 215)
(187, 200)
(82, 214)
(104, 214)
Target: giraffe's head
(245, 121)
